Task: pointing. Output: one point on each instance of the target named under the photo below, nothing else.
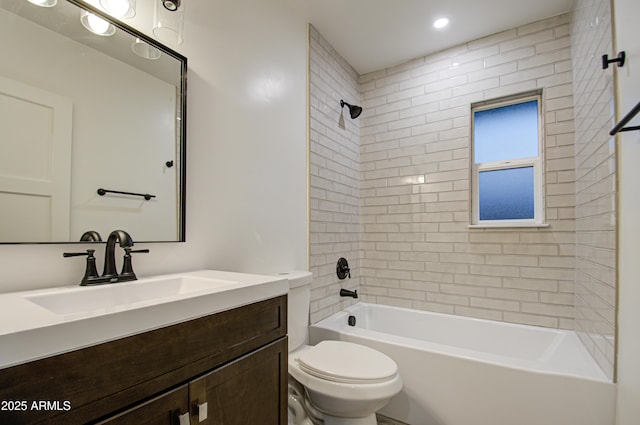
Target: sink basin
(45, 322)
(115, 297)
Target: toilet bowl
(343, 383)
(347, 382)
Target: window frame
(536, 162)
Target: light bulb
(44, 3)
(120, 8)
(96, 24)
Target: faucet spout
(348, 293)
(124, 240)
(90, 236)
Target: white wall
(246, 153)
(627, 34)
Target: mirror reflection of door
(35, 159)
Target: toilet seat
(345, 362)
(357, 399)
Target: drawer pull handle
(201, 411)
(179, 419)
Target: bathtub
(464, 371)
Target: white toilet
(335, 382)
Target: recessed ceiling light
(440, 23)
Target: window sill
(507, 225)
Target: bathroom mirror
(80, 112)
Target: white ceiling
(376, 34)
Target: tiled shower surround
(417, 248)
(411, 202)
(595, 181)
(334, 200)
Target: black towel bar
(146, 196)
(621, 125)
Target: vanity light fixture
(44, 3)
(96, 24)
(168, 21)
(119, 8)
(171, 5)
(440, 23)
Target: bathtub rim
(341, 326)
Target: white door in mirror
(36, 163)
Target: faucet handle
(88, 253)
(127, 268)
(91, 272)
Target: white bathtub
(464, 371)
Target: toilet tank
(298, 301)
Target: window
(507, 165)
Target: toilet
(333, 382)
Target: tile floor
(383, 420)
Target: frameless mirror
(81, 112)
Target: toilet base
(332, 420)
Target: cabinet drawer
(162, 410)
(109, 377)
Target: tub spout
(348, 293)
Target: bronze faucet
(109, 274)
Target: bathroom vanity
(228, 367)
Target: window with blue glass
(507, 170)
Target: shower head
(354, 110)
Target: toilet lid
(345, 362)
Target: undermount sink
(124, 295)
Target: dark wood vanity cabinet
(227, 368)
(246, 391)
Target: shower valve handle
(342, 269)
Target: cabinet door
(249, 390)
(165, 409)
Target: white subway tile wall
(417, 249)
(595, 181)
(334, 164)
(391, 190)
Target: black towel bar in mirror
(146, 196)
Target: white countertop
(29, 331)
